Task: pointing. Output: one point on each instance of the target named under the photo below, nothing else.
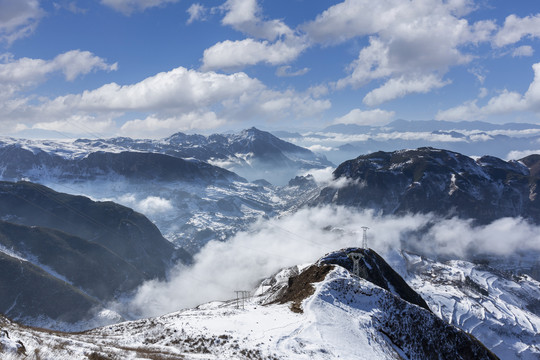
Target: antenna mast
(364, 237)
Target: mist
(242, 262)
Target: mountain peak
(369, 265)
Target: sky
(150, 68)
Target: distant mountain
(441, 125)
(401, 125)
(17, 162)
(252, 153)
(439, 181)
(326, 310)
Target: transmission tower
(364, 237)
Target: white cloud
(320, 148)
(18, 18)
(196, 12)
(505, 102)
(244, 16)
(402, 86)
(150, 205)
(278, 43)
(411, 44)
(520, 154)
(154, 205)
(366, 117)
(303, 237)
(524, 50)
(516, 28)
(285, 71)
(168, 101)
(31, 71)
(128, 7)
(154, 127)
(178, 89)
(237, 54)
(17, 74)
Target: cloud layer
(303, 237)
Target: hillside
(338, 314)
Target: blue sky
(149, 68)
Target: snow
(491, 306)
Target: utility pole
(241, 296)
(364, 237)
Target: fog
(242, 262)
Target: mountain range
(64, 257)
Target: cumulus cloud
(270, 41)
(366, 117)
(245, 16)
(178, 89)
(27, 72)
(128, 7)
(237, 54)
(18, 19)
(179, 99)
(503, 103)
(399, 87)
(516, 28)
(411, 44)
(303, 237)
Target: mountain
(66, 247)
(17, 162)
(252, 153)
(500, 308)
(439, 181)
(169, 180)
(319, 311)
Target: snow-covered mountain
(171, 180)
(439, 181)
(500, 309)
(252, 153)
(319, 311)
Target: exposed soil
(300, 286)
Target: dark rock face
(439, 181)
(370, 266)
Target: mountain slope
(440, 181)
(343, 316)
(500, 309)
(120, 229)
